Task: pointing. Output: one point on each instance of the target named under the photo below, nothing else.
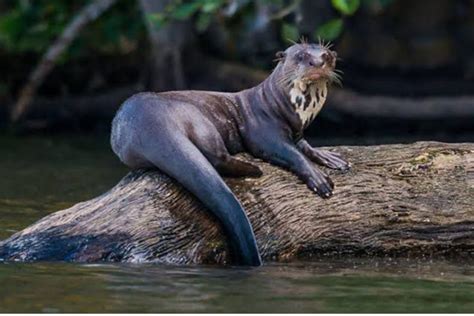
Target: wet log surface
(398, 200)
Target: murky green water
(40, 175)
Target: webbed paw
(331, 160)
(320, 183)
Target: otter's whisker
(283, 80)
(336, 80)
(284, 83)
(335, 75)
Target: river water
(40, 175)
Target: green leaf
(211, 6)
(203, 21)
(330, 30)
(158, 19)
(346, 7)
(185, 10)
(289, 32)
(11, 27)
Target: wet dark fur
(192, 135)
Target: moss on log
(398, 200)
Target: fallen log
(398, 200)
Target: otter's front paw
(320, 183)
(331, 160)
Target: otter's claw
(330, 159)
(321, 184)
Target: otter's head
(308, 63)
(303, 73)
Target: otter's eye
(300, 57)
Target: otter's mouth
(324, 73)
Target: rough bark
(399, 200)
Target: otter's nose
(316, 63)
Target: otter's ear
(280, 56)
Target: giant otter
(192, 135)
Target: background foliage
(31, 26)
(28, 26)
(420, 40)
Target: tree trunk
(167, 44)
(398, 200)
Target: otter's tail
(183, 161)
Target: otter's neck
(294, 103)
(271, 99)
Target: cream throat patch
(308, 99)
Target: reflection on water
(325, 286)
(41, 175)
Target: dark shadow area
(401, 49)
